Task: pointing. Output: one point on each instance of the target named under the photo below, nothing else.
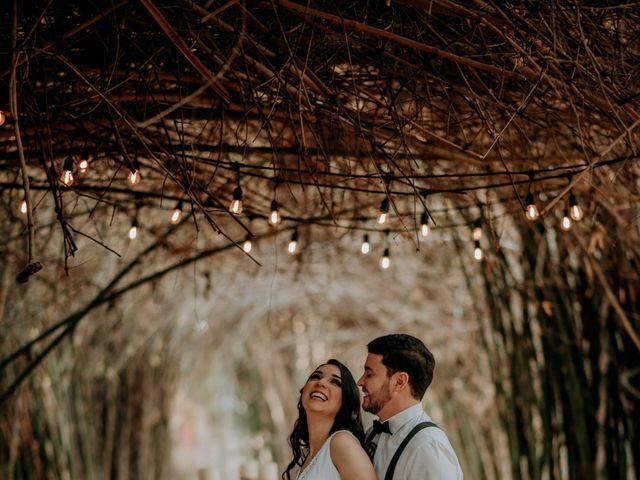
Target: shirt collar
(401, 418)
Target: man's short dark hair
(405, 353)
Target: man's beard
(375, 401)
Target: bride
(327, 436)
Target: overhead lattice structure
(507, 130)
(330, 109)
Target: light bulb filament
(67, 178)
(236, 207)
(532, 212)
(134, 177)
(531, 208)
(385, 261)
(384, 211)
(133, 232)
(274, 217)
(576, 213)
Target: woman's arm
(350, 458)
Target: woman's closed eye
(336, 381)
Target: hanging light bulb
(235, 206)
(84, 166)
(364, 248)
(532, 210)
(476, 233)
(565, 223)
(477, 251)
(134, 177)
(385, 261)
(274, 217)
(23, 207)
(293, 244)
(133, 231)
(384, 211)
(424, 224)
(246, 246)
(67, 172)
(3, 118)
(574, 209)
(177, 213)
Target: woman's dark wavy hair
(347, 418)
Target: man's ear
(400, 381)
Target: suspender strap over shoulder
(392, 465)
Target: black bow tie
(380, 427)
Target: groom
(404, 444)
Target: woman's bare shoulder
(350, 458)
(344, 439)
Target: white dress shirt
(428, 456)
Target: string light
(424, 224)
(177, 213)
(293, 244)
(134, 177)
(476, 233)
(565, 223)
(23, 207)
(84, 166)
(3, 118)
(532, 212)
(385, 262)
(235, 206)
(133, 231)
(246, 246)
(236, 203)
(574, 209)
(274, 217)
(477, 251)
(66, 177)
(384, 211)
(364, 248)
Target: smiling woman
(327, 436)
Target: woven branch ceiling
(327, 107)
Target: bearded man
(404, 443)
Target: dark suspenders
(396, 456)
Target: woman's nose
(321, 382)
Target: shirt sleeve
(428, 459)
